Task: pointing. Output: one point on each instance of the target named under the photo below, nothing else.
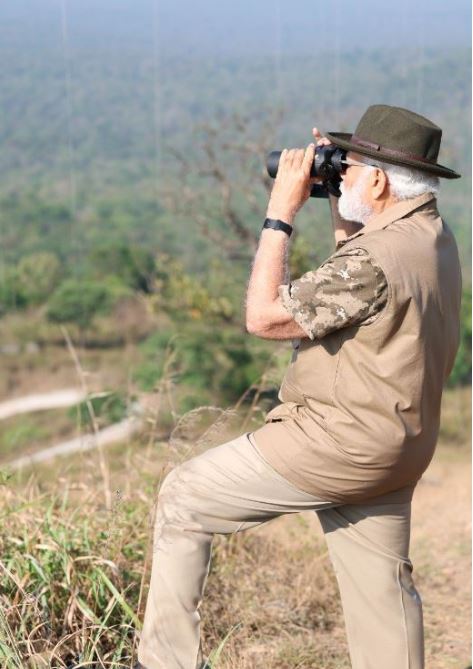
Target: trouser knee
(169, 485)
(172, 504)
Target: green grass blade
(215, 654)
(119, 598)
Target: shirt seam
(383, 311)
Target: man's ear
(379, 184)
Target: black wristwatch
(276, 224)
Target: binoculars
(328, 164)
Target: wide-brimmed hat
(398, 136)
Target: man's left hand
(293, 183)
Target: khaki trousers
(230, 488)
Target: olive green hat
(398, 136)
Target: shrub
(10, 295)
(107, 408)
(132, 264)
(461, 373)
(211, 363)
(37, 276)
(185, 297)
(78, 302)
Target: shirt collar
(389, 215)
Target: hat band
(390, 152)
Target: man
(375, 331)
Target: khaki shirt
(360, 401)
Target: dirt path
(54, 400)
(40, 402)
(441, 554)
(114, 433)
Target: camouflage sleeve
(349, 288)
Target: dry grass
(74, 568)
(62, 553)
(277, 582)
(31, 432)
(74, 575)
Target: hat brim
(342, 139)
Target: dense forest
(128, 175)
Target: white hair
(406, 182)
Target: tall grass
(75, 549)
(75, 557)
(73, 576)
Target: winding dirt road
(63, 398)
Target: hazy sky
(246, 26)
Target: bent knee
(172, 487)
(169, 482)
(171, 507)
(185, 495)
(178, 487)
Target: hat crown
(401, 130)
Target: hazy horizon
(269, 26)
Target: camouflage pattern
(348, 289)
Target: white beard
(350, 204)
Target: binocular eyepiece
(328, 164)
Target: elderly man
(375, 331)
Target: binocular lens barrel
(272, 163)
(328, 165)
(327, 159)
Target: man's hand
(321, 141)
(293, 183)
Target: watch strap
(276, 224)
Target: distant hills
(88, 118)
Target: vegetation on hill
(131, 199)
(124, 184)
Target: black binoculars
(328, 164)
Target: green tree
(185, 297)
(211, 364)
(10, 296)
(78, 302)
(133, 264)
(461, 373)
(37, 276)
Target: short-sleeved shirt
(349, 288)
(360, 406)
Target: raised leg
(227, 489)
